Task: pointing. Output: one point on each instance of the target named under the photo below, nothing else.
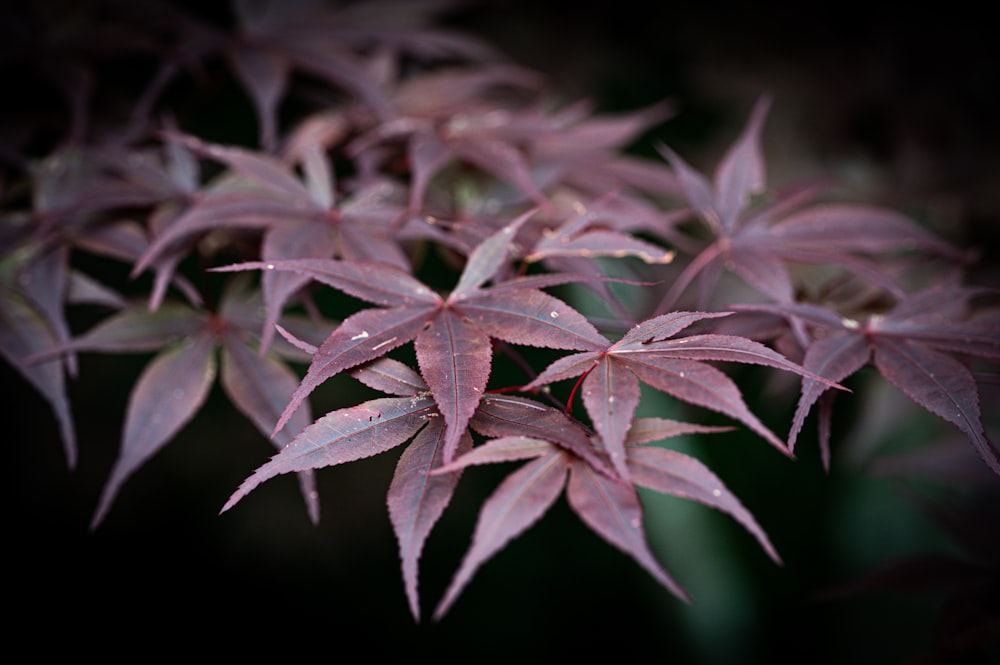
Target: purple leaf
(664, 326)
(729, 348)
(648, 430)
(531, 318)
(835, 357)
(611, 508)
(264, 74)
(760, 270)
(135, 330)
(417, 498)
(390, 376)
(671, 472)
(351, 344)
(262, 170)
(502, 449)
(520, 501)
(376, 283)
(857, 228)
(702, 385)
(455, 362)
(169, 392)
(508, 415)
(590, 244)
(940, 384)
(260, 386)
(345, 435)
(302, 240)
(24, 332)
(611, 396)
(487, 258)
(741, 173)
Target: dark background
(900, 103)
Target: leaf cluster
(428, 193)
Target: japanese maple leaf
(416, 499)
(419, 492)
(607, 504)
(757, 244)
(589, 152)
(273, 40)
(173, 386)
(25, 329)
(299, 219)
(74, 195)
(444, 117)
(650, 353)
(452, 335)
(918, 346)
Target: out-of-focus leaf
(170, 391)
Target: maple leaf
(451, 334)
(439, 120)
(758, 244)
(609, 505)
(274, 40)
(173, 386)
(587, 153)
(421, 488)
(74, 193)
(298, 219)
(650, 353)
(25, 330)
(416, 498)
(917, 346)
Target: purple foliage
(437, 205)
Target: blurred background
(900, 104)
